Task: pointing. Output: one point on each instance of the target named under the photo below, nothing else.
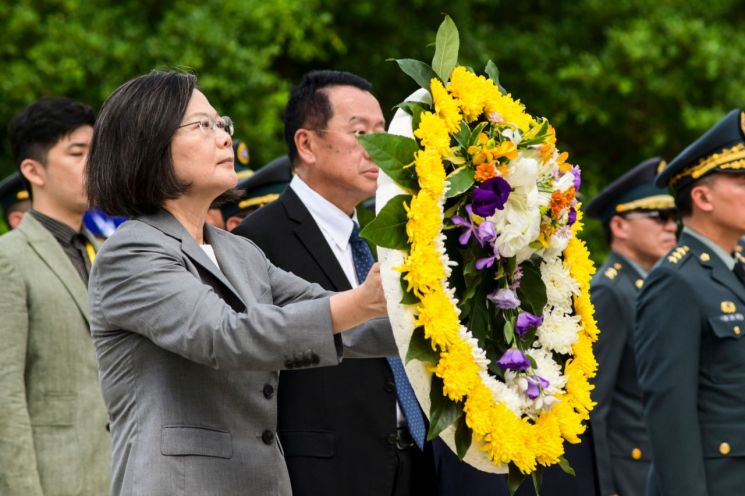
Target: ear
(14, 218)
(618, 227)
(34, 172)
(306, 145)
(701, 197)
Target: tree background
(621, 81)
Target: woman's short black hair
(130, 169)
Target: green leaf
(565, 466)
(443, 411)
(537, 477)
(414, 109)
(492, 71)
(447, 44)
(463, 436)
(460, 180)
(463, 136)
(420, 348)
(509, 331)
(532, 290)
(408, 297)
(393, 153)
(532, 361)
(514, 479)
(536, 135)
(418, 71)
(388, 229)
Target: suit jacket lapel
(168, 224)
(311, 237)
(49, 250)
(719, 271)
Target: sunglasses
(661, 216)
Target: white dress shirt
(336, 227)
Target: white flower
(565, 182)
(558, 332)
(501, 392)
(560, 285)
(547, 368)
(519, 223)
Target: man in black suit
(342, 429)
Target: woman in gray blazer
(189, 322)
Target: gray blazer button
(390, 386)
(268, 391)
(267, 437)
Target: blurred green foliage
(621, 81)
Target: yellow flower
(446, 106)
(549, 441)
(431, 172)
(458, 370)
(508, 109)
(433, 133)
(425, 219)
(439, 318)
(470, 90)
(423, 268)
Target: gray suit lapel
(49, 250)
(165, 222)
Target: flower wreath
(499, 351)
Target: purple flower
(536, 384)
(572, 216)
(483, 232)
(485, 262)
(516, 277)
(514, 359)
(525, 322)
(490, 196)
(577, 177)
(504, 298)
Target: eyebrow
(205, 114)
(365, 120)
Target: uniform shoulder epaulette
(678, 254)
(612, 272)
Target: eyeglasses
(207, 124)
(661, 216)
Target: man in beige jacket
(53, 435)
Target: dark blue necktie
(363, 261)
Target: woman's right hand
(371, 293)
(366, 301)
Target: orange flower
(560, 201)
(485, 172)
(487, 151)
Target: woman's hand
(366, 301)
(371, 293)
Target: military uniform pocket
(726, 327)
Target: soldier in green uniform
(14, 199)
(639, 223)
(690, 317)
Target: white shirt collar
(328, 216)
